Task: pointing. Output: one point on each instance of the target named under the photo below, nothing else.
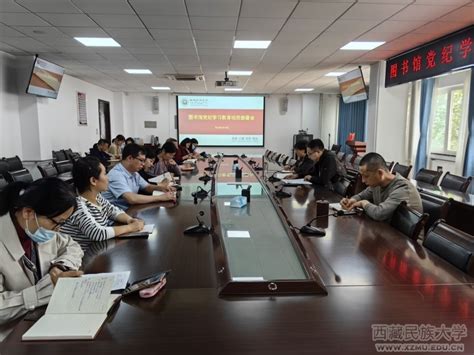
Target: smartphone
(145, 283)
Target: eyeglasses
(140, 160)
(56, 223)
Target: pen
(114, 306)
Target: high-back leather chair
(3, 182)
(436, 207)
(14, 163)
(428, 176)
(3, 167)
(47, 170)
(403, 170)
(408, 221)
(19, 175)
(341, 156)
(343, 187)
(453, 245)
(59, 155)
(460, 215)
(356, 163)
(454, 182)
(336, 148)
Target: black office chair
(348, 160)
(455, 182)
(47, 170)
(14, 163)
(336, 148)
(64, 166)
(453, 245)
(3, 182)
(343, 187)
(19, 175)
(403, 170)
(460, 215)
(408, 221)
(356, 163)
(59, 155)
(428, 176)
(3, 167)
(436, 208)
(389, 165)
(341, 156)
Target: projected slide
(222, 121)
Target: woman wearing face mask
(94, 214)
(33, 255)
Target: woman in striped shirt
(94, 214)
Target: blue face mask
(42, 235)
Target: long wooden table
(374, 276)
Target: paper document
(190, 161)
(335, 206)
(160, 178)
(296, 182)
(147, 229)
(121, 277)
(281, 175)
(77, 309)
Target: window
(446, 120)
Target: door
(104, 120)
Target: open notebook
(77, 309)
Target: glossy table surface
(444, 192)
(373, 274)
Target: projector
(226, 82)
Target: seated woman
(149, 165)
(184, 151)
(33, 255)
(165, 162)
(94, 214)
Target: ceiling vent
(185, 77)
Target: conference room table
(376, 282)
(444, 192)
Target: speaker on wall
(283, 105)
(155, 105)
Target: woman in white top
(94, 214)
(33, 255)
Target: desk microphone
(257, 167)
(272, 178)
(319, 256)
(200, 194)
(200, 228)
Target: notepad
(160, 178)
(145, 232)
(295, 182)
(77, 309)
(336, 206)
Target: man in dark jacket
(304, 165)
(99, 150)
(325, 167)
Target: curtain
(352, 118)
(461, 153)
(425, 113)
(469, 155)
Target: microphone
(272, 178)
(257, 167)
(205, 178)
(280, 193)
(200, 228)
(310, 230)
(200, 194)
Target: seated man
(165, 162)
(304, 165)
(125, 182)
(325, 170)
(100, 151)
(385, 191)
